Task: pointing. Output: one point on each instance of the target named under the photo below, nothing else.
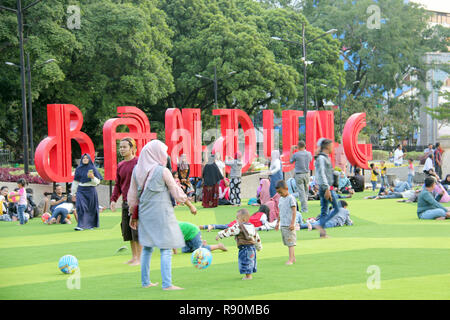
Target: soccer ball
(13, 197)
(45, 216)
(68, 264)
(201, 258)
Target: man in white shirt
(428, 164)
(62, 210)
(398, 156)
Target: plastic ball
(201, 258)
(68, 264)
(45, 216)
(13, 197)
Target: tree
(442, 112)
(119, 56)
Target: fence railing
(5, 157)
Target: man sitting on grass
(340, 219)
(427, 206)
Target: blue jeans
(432, 214)
(374, 185)
(299, 218)
(21, 212)
(324, 203)
(247, 259)
(384, 181)
(410, 179)
(328, 224)
(166, 266)
(217, 226)
(194, 244)
(60, 211)
(402, 186)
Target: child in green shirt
(193, 239)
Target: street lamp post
(30, 108)
(214, 81)
(304, 45)
(19, 11)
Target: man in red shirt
(438, 159)
(127, 149)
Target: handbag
(135, 214)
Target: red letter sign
(319, 124)
(229, 125)
(139, 126)
(53, 157)
(357, 154)
(290, 135)
(184, 135)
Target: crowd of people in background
(141, 180)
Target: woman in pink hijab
(264, 193)
(151, 207)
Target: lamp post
(19, 12)
(304, 44)
(214, 81)
(30, 108)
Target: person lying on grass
(391, 194)
(258, 219)
(338, 220)
(427, 206)
(193, 239)
(247, 240)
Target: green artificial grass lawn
(411, 254)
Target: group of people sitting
(19, 206)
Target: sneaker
(78, 229)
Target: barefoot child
(193, 239)
(248, 241)
(127, 149)
(288, 216)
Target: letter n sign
(53, 157)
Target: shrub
(14, 174)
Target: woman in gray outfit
(235, 178)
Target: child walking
(410, 172)
(247, 240)
(288, 216)
(22, 204)
(374, 176)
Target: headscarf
(211, 158)
(211, 174)
(445, 181)
(265, 209)
(224, 187)
(264, 195)
(152, 155)
(82, 170)
(183, 164)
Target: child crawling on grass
(247, 240)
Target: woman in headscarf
(220, 164)
(211, 176)
(264, 194)
(276, 172)
(224, 192)
(235, 176)
(151, 186)
(184, 170)
(86, 179)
